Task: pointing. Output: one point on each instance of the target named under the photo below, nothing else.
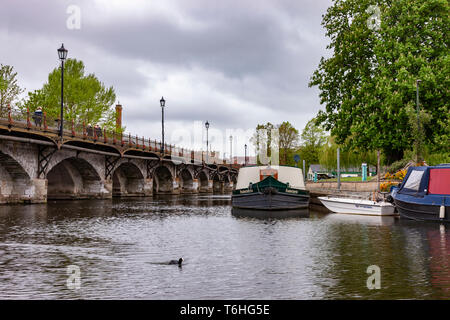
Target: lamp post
(418, 121)
(207, 150)
(62, 54)
(231, 149)
(163, 104)
(245, 155)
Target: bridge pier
(218, 187)
(25, 191)
(228, 187)
(206, 187)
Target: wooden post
(84, 130)
(28, 119)
(10, 121)
(45, 121)
(104, 136)
(73, 128)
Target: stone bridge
(36, 165)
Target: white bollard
(442, 212)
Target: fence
(50, 125)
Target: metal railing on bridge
(47, 125)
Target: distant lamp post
(207, 150)
(62, 54)
(418, 137)
(245, 155)
(231, 149)
(163, 104)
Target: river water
(121, 247)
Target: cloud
(235, 63)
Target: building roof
(316, 168)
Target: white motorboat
(358, 206)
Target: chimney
(118, 116)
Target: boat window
(413, 181)
(439, 181)
(264, 173)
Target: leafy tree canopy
(86, 99)
(369, 83)
(9, 89)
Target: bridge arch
(74, 178)
(127, 180)
(186, 180)
(203, 179)
(162, 180)
(14, 180)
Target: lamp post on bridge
(245, 155)
(62, 54)
(231, 149)
(163, 104)
(207, 150)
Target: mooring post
(304, 173)
(338, 170)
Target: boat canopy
(288, 175)
(420, 181)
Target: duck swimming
(179, 261)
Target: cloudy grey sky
(234, 63)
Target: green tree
(369, 81)
(86, 99)
(288, 138)
(262, 140)
(313, 137)
(349, 159)
(9, 89)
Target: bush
(437, 158)
(398, 165)
(386, 186)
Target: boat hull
(270, 201)
(423, 212)
(354, 206)
(424, 194)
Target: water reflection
(270, 214)
(114, 242)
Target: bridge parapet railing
(26, 119)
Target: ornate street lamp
(62, 54)
(163, 104)
(207, 150)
